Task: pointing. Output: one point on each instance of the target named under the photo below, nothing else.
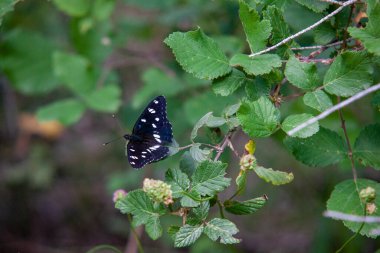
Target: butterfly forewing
(152, 133)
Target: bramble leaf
(228, 84)
(256, 31)
(301, 74)
(144, 212)
(198, 54)
(345, 199)
(318, 100)
(274, 177)
(201, 122)
(259, 118)
(244, 207)
(367, 146)
(350, 73)
(75, 8)
(295, 120)
(257, 65)
(178, 181)
(223, 229)
(323, 148)
(187, 235)
(316, 6)
(6, 6)
(208, 178)
(199, 154)
(199, 214)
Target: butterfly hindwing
(151, 135)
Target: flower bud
(158, 191)
(367, 195)
(247, 162)
(118, 194)
(370, 208)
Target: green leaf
(74, 71)
(172, 231)
(318, 100)
(188, 199)
(223, 229)
(259, 118)
(144, 212)
(105, 99)
(228, 84)
(256, 31)
(231, 110)
(301, 74)
(258, 88)
(156, 82)
(274, 177)
(370, 35)
(28, 66)
(244, 207)
(198, 214)
(75, 8)
(295, 120)
(241, 181)
(323, 148)
(350, 73)
(376, 101)
(198, 54)
(280, 29)
(201, 122)
(316, 6)
(367, 146)
(199, 154)
(258, 65)
(178, 181)
(345, 199)
(208, 178)
(213, 121)
(6, 6)
(66, 111)
(102, 9)
(187, 235)
(324, 34)
(188, 164)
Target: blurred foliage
(75, 62)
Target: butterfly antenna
(118, 123)
(108, 142)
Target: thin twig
(334, 108)
(320, 46)
(305, 30)
(332, 1)
(345, 35)
(350, 217)
(134, 243)
(350, 155)
(223, 146)
(326, 61)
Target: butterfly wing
(140, 154)
(152, 132)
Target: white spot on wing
(156, 136)
(157, 119)
(154, 125)
(155, 101)
(158, 140)
(151, 110)
(143, 156)
(143, 152)
(131, 149)
(143, 120)
(132, 162)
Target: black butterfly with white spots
(151, 135)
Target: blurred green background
(79, 65)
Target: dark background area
(56, 181)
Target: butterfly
(151, 135)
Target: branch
(305, 30)
(321, 46)
(350, 217)
(334, 108)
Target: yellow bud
(247, 162)
(370, 208)
(250, 147)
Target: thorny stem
(350, 155)
(320, 46)
(204, 144)
(349, 2)
(225, 142)
(345, 35)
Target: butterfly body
(151, 135)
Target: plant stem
(136, 237)
(350, 155)
(220, 205)
(353, 236)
